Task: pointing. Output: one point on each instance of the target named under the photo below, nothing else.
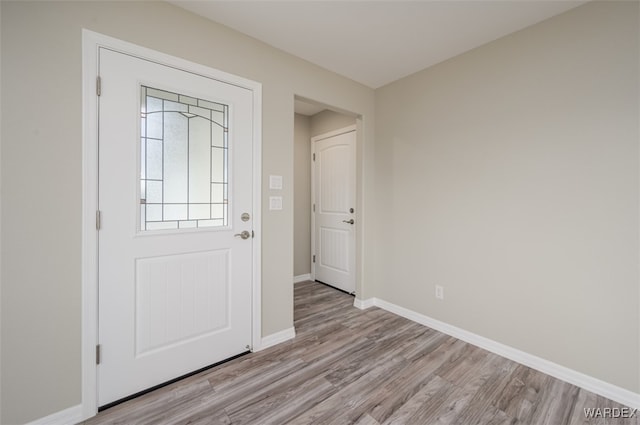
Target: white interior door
(175, 178)
(334, 186)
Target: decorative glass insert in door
(184, 169)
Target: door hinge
(98, 219)
(314, 156)
(98, 85)
(314, 258)
(314, 207)
(98, 349)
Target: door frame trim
(314, 139)
(91, 43)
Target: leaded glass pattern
(184, 161)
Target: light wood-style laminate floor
(348, 366)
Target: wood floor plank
(499, 374)
(421, 408)
(282, 405)
(371, 367)
(412, 379)
(349, 396)
(367, 420)
(521, 393)
(556, 403)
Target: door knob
(348, 221)
(244, 235)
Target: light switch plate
(275, 202)
(275, 182)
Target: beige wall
(302, 196)
(42, 173)
(509, 175)
(326, 121)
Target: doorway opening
(321, 235)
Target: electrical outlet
(439, 292)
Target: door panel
(334, 199)
(180, 298)
(175, 175)
(334, 250)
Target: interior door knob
(244, 235)
(348, 221)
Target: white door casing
(333, 210)
(201, 325)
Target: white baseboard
(302, 278)
(276, 338)
(589, 383)
(363, 304)
(69, 416)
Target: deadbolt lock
(245, 217)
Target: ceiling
(377, 42)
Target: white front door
(175, 195)
(334, 186)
